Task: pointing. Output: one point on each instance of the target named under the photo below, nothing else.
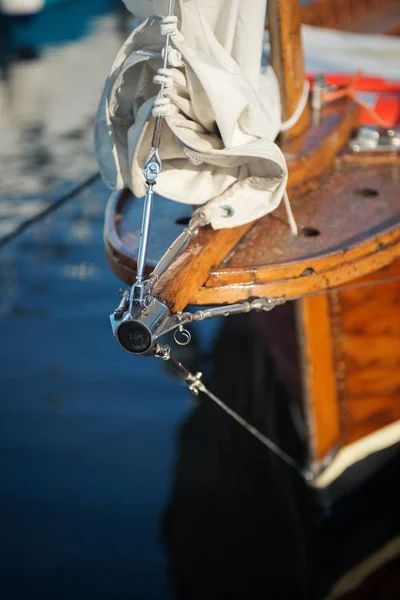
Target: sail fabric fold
(222, 113)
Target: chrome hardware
(372, 139)
(320, 86)
(228, 210)
(195, 383)
(182, 336)
(152, 167)
(163, 352)
(138, 325)
(151, 171)
(137, 332)
(259, 304)
(122, 306)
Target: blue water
(86, 431)
(113, 484)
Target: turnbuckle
(151, 171)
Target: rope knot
(169, 25)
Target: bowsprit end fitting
(141, 325)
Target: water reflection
(87, 430)
(239, 521)
(53, 69)
(89, 433)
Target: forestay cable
(196, 386)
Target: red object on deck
(387, 104)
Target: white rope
(169, 25)
(162, 107)
(164, 77)
(299, 110)
(290, 217)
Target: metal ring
(185, 339)
(229, 210)
(149, 301)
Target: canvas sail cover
(217, 146)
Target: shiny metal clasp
(152, 168)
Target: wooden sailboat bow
(309, 155)
(200, 278)
(343, 190)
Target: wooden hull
(350, 346)
(337, 356)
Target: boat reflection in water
(239, 521)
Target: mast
(284, 18)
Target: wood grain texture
(350, 342)
(310, 154)
(358, 16)
(356, 230)
(318, 373)
(188, 272)
(366, 342)
(358, 233)
(284, 21)
(191, 268)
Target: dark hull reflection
(239, 522)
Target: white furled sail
(222, 113)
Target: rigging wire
(196, 386)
